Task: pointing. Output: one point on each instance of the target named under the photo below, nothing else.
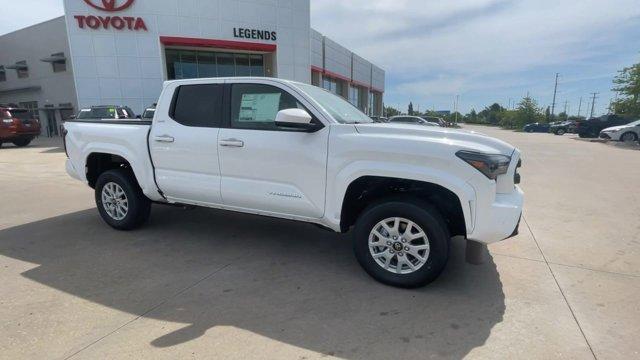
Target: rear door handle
(164, 139)
(232, 143)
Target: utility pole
(456, 107)
(566, 104)
(580, 107)
(593, 104)
(555, 93)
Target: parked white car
(626, 133)
(295, 151)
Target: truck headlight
(491, 165)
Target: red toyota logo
(110, 5)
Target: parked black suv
(591, 128)
(563, 127)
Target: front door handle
(232, 143)
(164, 139)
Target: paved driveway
(208, 284)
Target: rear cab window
(198, 105)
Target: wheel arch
(97, 163)
(454, 200)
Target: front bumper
(499, 220)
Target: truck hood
(463, 139)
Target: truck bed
(128, 139)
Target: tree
(472, 117)
(563, 116)
(627, 85)
(391, 111)
(528, 112)
(411, 108)
(492, 114)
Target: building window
(32, 106)
(335, 86)
(354, 96)
(59, 62)
(315, 78)
(189, 64)
(3, 74)
(22, 69)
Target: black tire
(139, 205)
(422, 214)
(634, 137)
(560, 132)
(22, 142)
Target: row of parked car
(416, 120)
(19, 127)
(608, 127)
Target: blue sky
(483, 50)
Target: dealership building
(119, 52)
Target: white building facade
(119, 52)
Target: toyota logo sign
(109, 5)
(108, 22)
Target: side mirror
(295, 119)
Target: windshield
(341, 110)
(97, 113)
(20, 114)
(148, 114)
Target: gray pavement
(208, 284)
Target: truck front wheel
(120, 200)
(403, 243)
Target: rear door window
(198, 105)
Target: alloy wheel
(114, 201)
(399, 245)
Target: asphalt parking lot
(207, 284)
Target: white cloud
(447, 47)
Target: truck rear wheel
(403, 243)
(120, 200)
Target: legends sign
(255, 34)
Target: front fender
(355, 170)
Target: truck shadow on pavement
(287, 281)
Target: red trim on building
(337, 76)
(344, 78)
(220, 44)
(361, 84)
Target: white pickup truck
(290, 150)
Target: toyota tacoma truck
(295, 151)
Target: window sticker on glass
(259, 107)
